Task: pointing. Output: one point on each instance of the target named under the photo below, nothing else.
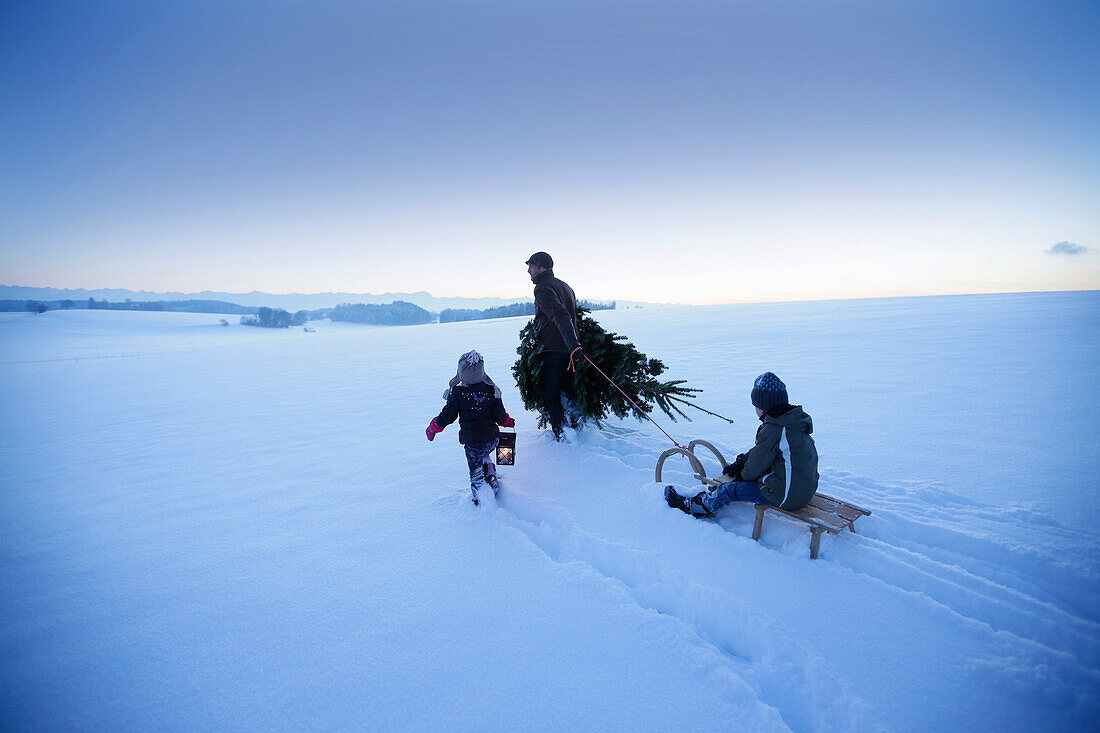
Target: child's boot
(693, 506)
(473, 496)
(490, 470)
(696, 507)
(675, 501)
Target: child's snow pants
(477, 455)
(733, 491)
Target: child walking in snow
(475, 402)
(780, 470)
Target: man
(556, 326)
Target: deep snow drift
(208, 527)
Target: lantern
(506, 448)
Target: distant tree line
(175, 306)
(180, 306)
(31, 306)
(451, 315)
(397, 313)
(268, 318)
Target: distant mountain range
(289, 301)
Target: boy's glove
(575, 358)
(734, 469)
(433, 429)
(508, 422)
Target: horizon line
(810, 299)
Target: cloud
(1067, 248)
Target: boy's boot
(473, 496)
(693, 506)
(696, 507)
(674, 500)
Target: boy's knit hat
(768, 392)
(471, 368)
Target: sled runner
(823, 513)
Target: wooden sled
(823, 513)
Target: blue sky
(674, 151)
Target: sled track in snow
(749, 647)
(964, 556)
(955, 556)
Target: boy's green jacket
(784, 441)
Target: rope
(633, 402)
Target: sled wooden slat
(823, 514)
(847, 512)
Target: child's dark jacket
(478, 411)
(784, 459)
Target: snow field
(208, 528)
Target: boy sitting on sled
(780, 470)
(475, 402)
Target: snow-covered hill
(210, 528)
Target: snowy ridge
(234, 527)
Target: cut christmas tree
(591, 396)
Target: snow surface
(211, 528)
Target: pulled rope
(692, 404)
(609, 379)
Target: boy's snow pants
(733, 491)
